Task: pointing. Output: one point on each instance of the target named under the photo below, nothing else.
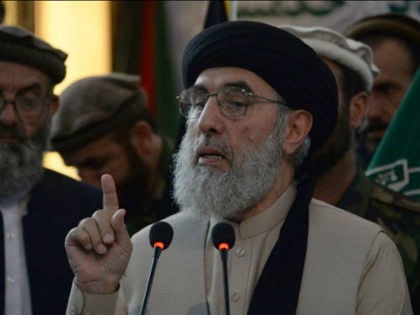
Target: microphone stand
(224, 255)
(156, 256)
(223, 237)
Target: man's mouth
(375, 135)
(374, 130)
(208, 156)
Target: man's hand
(99, 248)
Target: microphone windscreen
(223, 233)
(161, 232)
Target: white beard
(210, 191)
(21, 166)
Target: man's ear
(358, 109)
(298, 127)
(141, 139)
(54, 104)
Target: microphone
(223, 237)
(160, 237)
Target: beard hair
(338, 144)
(21, 165)
(210, 191)
(133, 191)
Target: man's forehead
(18, 66)
(223, 76)
(97, 146)
(17, 73)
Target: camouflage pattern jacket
(398, 216)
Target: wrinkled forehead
(212, 79)
(16, 76)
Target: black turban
(291, 67)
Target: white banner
(334, 14)
(186, 18)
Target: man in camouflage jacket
(398, 216)
(341, 180)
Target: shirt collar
(265, 220)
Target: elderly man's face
(236, 135)
(226, 167)
(389, 88)
(24, 124)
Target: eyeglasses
(233, 101)
(28, 109)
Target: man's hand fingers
(103, 223)
(119, 226)
(91, 229)
(78, 237)
(110, 199)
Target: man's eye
(385, 89)
(233, 105)
(199, 102)
(238, 104)
(236, 101)
(27, 102)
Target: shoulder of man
(400, 218)
(395, 213)
(386, 196)
(364, 193)
(57, 190)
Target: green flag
(156, 67)
(396, 162)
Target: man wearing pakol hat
(103, 126)
(37, 206)
(395, 42)
(259, 102)
(336, 162)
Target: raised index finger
(110, 199)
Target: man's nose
(8, 115)
(211, 118)
(374, 109)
